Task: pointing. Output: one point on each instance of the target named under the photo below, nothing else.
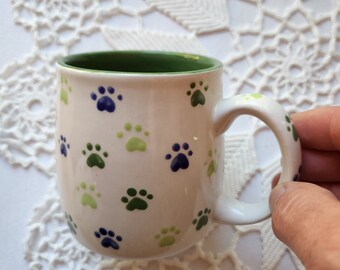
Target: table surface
(287, 50)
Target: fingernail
(275, 195)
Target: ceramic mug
(139, 151)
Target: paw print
(136, 201)
(95, 159)
(202, 219)
(196, 93)
(105, 102)
(251, 96)
(297, 176)
(65, 89)
(291, 128)
(89, 195)
(212, 167)
(64, 146)
(167, 236)
(180, 161)
(134, 143)
(110, 240)
(71, 224)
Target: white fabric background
(286, 49)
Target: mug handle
(231, 210)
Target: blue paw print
(105, 102)
(64, 146)
(110, 240)
(180, 161)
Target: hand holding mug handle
(231, 210)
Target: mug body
(137, 157)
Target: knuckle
(294, 212)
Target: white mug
(139, 151)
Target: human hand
(306, 214)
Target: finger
(332, 187)
(275, 180)
(306, 217)
(320, 166)
(319, 129)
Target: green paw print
(202, 219)
(167, 236)
(136, 201)
(197, 93)
(134, 143)
(212, 167)
(89, 195)
(291, 128)
(65, 89)
(252, 96)
(95, 159)
(71, 224)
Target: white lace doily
(286, 49)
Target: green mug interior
(140, 62)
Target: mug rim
(183, 63)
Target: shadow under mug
(139, 152)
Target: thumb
(306, 217)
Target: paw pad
(89, 195)
(105, 99)
(134, 143)
(297, 176)
(136, 200)
(212, 165)
(291, 128)
(64, 146)
(251, 96)
(167, 236)
(95, 159)
(202, 219)
(180, 160)
(65, 89)
(109, 238)
(197, 93)
(71, 224)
